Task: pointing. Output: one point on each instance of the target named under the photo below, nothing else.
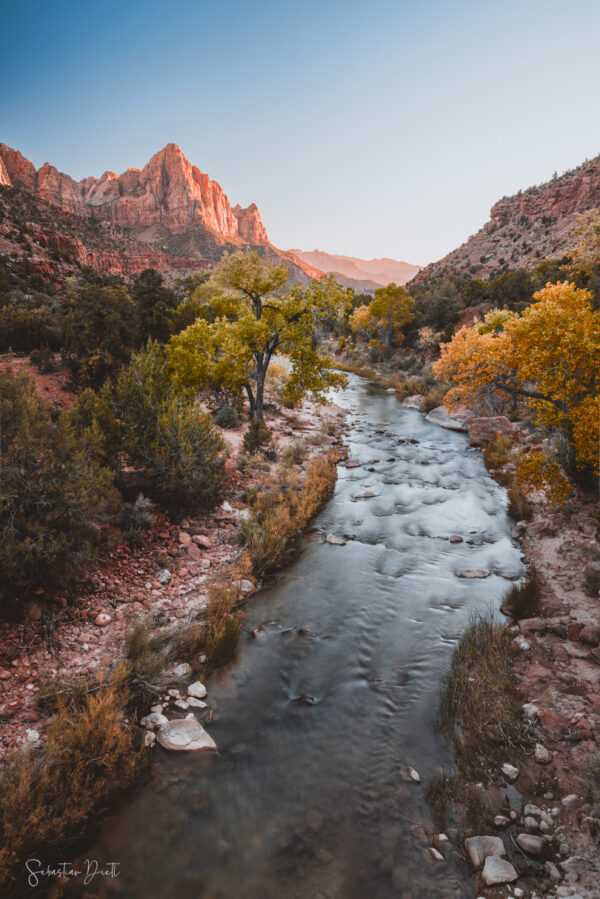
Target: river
(337, 690)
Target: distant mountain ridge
(532, 225)
(169, 205)
(368, 272)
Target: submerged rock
(411, 774)
(474, 573)
(334, 540)
(185, 735)
(415, 401)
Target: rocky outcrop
(532, 225)
(169, 205)
(483, 429)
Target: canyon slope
(168, 214)
(532, 225)
(360, 273)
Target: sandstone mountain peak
(167, 191)
(169, 204)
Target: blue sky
(381, 128)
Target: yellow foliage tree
(259, 314)
(549, 356)
(384, 317)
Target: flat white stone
(334, 540)
(510, 771)
(197, 690)
(196, 703)
(185, 735)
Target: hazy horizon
(372, 130)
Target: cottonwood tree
(259, 314)
(548, 357)
(383, 320)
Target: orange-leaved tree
(548, 357)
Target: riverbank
(171, 581)
(533, 795)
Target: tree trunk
(251, 401)
(260, 390)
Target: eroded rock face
(168, 191)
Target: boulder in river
(335, 540)
(440, 416)
(185, 735)
(474, 573)
(352, 463)
(413, 402)
(411, 774)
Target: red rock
(483, 429)
(102, 619)
(552, 722)
(4, 674)
(184, 538)
(194, 552)
(532, 625)
(590, 634)
(574, 628)
(201, 540)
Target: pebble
(571, 800)
(164, 577)
(529, 843)
(542, 755)
(510, 771)
(194, 703)
(102, 619)
(410, 774)
(501, 821)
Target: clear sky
(364, 127)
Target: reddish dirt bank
(75, 632)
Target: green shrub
(226, 417)
(168, 437)
(100, 327)
(136, 518)
(256, 437)
(54, 495)
(43, 358)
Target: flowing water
(338, 690)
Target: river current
(336, 691)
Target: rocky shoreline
(541, 807)
(77, 633)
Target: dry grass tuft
(523, 601)
(48, 794)
(480, 703)
(273, 532)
